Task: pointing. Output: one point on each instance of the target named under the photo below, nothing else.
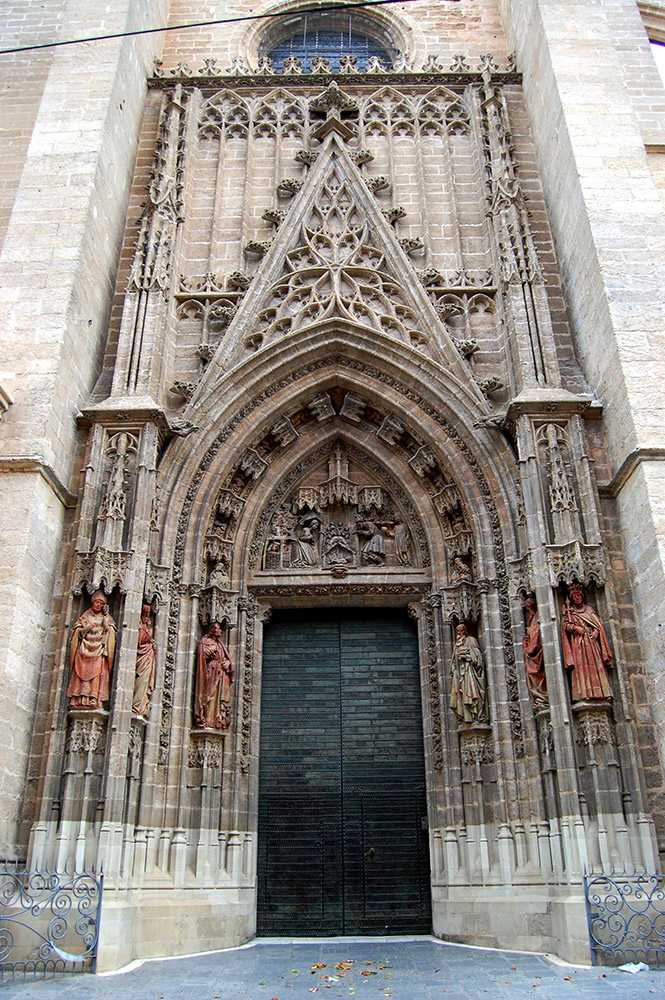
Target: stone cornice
(630, 463)
(34, 463)
(258, 81)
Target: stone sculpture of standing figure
(468, 681)
(534, 660)
(146, 657)
(91, 655)
(586, 649)
(214, 679)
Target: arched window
(329, 36)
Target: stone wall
(62, 236)
(609, 228)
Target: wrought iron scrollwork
(49, 922)
(626, 917)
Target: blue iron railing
(626, 917)
(49, 922)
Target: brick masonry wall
(58, 264)
(609, 228)
(471, 27)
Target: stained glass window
(331, 38)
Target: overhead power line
(207, 24)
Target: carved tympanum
(91, 655)
(586, 649)
(214, 681)
(534, 660)
(146, 657)
(468, 680)
(336, 522)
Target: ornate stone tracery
(346, 444)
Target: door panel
(342, 847)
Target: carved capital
(156, 587)
(475, 745)
(521, 575)
(461, 602)
(576, 562)
(86, 732)
(593, 724)
(217, 605)
(206, 749)
(101, 570)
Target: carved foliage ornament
(338, 522)
(411, 396)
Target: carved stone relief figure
(146, 659)
(460, 573)
(91, 656)
(402, 539)
(306, 544)
(534, 662)
(373, 549)
(214, 681)
(586, 649)
(468, 681)
(337, 523)
(338, 551)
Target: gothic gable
(336, 256)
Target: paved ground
(368, 970)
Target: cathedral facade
(331, 453)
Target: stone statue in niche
(468, 680)
(586, 649)
(372, 544)
(306, 544)
(460, 572)
(146, 663)
(534, 660)
(91, 655)
(214, 681)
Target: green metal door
(343, 843)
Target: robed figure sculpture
(214, 680)
(534, 659)
(91, 655)
(146, 656)
(468, 681)
(586, 650)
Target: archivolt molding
(414, 402)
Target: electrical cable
(206, 24)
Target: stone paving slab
(373, 969)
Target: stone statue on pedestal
(534, 660)
(586, 649)
(91, 655)
(468, 681)
(214, 680)
(146, 657)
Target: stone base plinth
(155, 923)
(548, 919)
